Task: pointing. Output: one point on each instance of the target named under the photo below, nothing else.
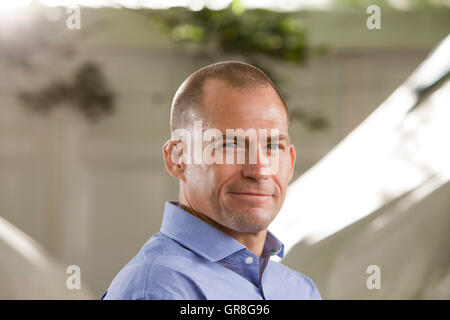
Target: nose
(259, 170)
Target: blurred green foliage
(235, 30)
(88, 92)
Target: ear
(174, 158)
(293, 155)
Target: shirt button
(248, 260)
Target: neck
(254, 241)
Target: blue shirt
(190, 259)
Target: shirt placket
(261, 267)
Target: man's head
(244, 197)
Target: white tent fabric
(380, 198)
(396, 149)
(28, 271)
(409, 245)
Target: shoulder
(295, 279)
(156, 272)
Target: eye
(274, 146)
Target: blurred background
(85, 93)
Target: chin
(252, 228)
(252, 220)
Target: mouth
(252, 196)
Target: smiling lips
(252, 195)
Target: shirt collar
(204, 239)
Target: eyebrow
(281, 137)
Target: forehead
(226, 107)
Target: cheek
(209, 179)
(199, 181)
(192, 174)
(224, 172)
(284, 173)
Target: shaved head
(187, 101)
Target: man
(214, 242)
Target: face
(242, 197)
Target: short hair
(235, 73)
